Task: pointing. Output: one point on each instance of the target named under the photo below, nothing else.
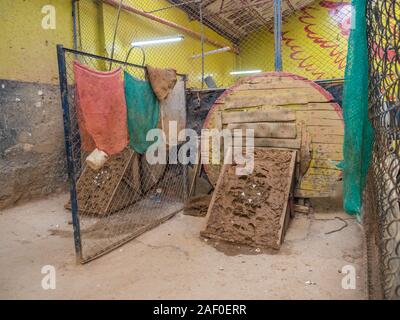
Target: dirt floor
(174, 262)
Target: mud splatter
(247, 209)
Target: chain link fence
(219, 41)
(314, 39)
(128, 195)
(381, 197)
(219, 36)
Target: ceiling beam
(171, 24)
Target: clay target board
(253, 209)
(286, 111)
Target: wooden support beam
(171, 24)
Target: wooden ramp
(254, 209)
(111, 188)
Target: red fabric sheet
(101, 109)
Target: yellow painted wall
(314, 42)
(175, 55)
(27, 51)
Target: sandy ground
(173, 262)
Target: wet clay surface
(247, 209)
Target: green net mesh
(358, 135)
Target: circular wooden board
(286, 111)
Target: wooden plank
(325, 164)
(323, 171)
(327, 155)
(315, 131)
(293, 92)
(328, 139)
(268, 129)
(243, 102)
(280, 115)
(321, 106)
(301, 209)
(216, 212)
(217, 187)
(277, 143)
(268, 83)
(327, 148)
(218, 120)
(325, 114)
(312, 193)
(196, 168)
(271, 143)
(274, 80)
(292, 106)
(301, 112)
(277, 97)
(305, 151)
(324, 118)
(316, 121)
(285, 212)
(318, 182)
(317, 105)
(291, 95)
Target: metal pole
(68, 148)
(115, 33)
(74, 24)
(278, 34)
(202, 44)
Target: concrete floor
(173, 262)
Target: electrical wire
(202, 44)
(115, 32)
(143, 52)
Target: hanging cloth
(173, 108)
(162, 81)
(143, 112)
(101, 109)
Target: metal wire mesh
(127, 196)
(314, 38)
(220, 36)
(381, 198)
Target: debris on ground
(197, 206)
(341, 228)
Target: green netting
(358, 132)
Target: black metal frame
(68, 148)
